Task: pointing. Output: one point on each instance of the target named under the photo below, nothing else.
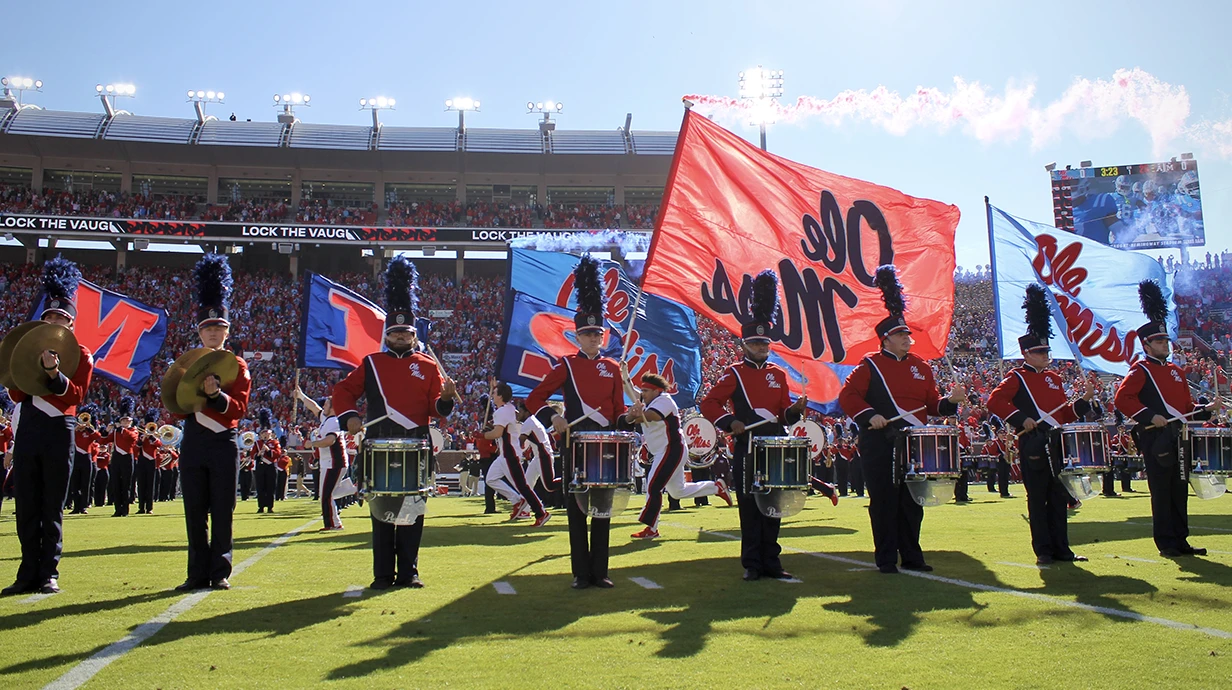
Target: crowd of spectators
(246, 211)
(323, 212)
(96, 203)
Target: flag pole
(637, 304)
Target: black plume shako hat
(763, 307)
(401, 294)
(265, 418)
(151, 415)
(125, 407)
(886, 279)
(1156, 309)
(60, 279)
(1039, 320)
(591, 301)
(212, 275)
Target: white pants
(675, 486)
(534, 472)
(501, 481)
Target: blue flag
(1093, 290)
(538, 330)
(339, 327)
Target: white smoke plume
(1088, 107)
(585, 241)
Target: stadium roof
(304, 135)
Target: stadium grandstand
(286, 197)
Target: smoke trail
(1089, 107)
(585, 241)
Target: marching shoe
(579, 583)
(1170, 553)
(517, 509)
(220, 584)
(17, 588)
(1071, 558)
(604, 583)
(780, 575)
(646, 533)
(921, 567)
(50, 587)
(381, 583)
(751, 574)
(1188, 550)
(1043, 560)
(722, 492)
(413, 581)
(543, 519)
(888, 569)
(192, 584)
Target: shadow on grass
(28, 617)
(180, 547)
(688, 613)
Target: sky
(1010, 70)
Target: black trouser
(855, 475)
(759, 535)
(1110, 481)
(1047, 502)
(209, 463)
(145, 484)
(266, 475)
(489, 494)
(316, 485)
(245, 484)
(81, 485)
(841, 478)
(588, 557)
(894, 514)
(960, 487)
(1002, 477)
(42, 461)
(122, 479)
(280, 485)
(701, 474)
(1169, 494)
(101, 480)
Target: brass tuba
(248, 439)
(83, 419)
(170, 435)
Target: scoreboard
(1143, 206)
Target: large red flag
(731, 210)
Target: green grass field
(984, 619)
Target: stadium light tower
(15, 88)
(462, 105)
(200, 98)
(107, 93)
(547, 108)
(288, 103)
(376, 105)
(761, 87)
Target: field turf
(987, 617)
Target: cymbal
(173, 375)
(6, 350)
(26, 367)
(221, 363)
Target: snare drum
(699, 435)
(986, 463)
(602, 458)
(778, 462)
(397, 466)
(932, 451)
(1210, 450)
(1083, 447)
(816, 436)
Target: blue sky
(604, 60)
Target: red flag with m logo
(732, 210)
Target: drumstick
(378, 419)
(895, 419)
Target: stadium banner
(123, 334)
(539, 325)
(339, 327)
(1094, 289)
(258, 356)
(731, 210)
(267, 232)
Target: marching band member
(888, 392)
(656, 411)
(168, 468)
(404, 389)
(1156, 395)
(998, 480)
(209, 456)
(125, 445)
(1032, 399)
(594, 401)
(43, 448)
(266, 451)
(757, 393)
(248, 468)
(506, 474)
(85, 446)
(147, 464)
(6, 440)
(331, 454)
(102, 478)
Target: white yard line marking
(646, 583)
(35, 598)
(1045, 598)
(504, 588)
(353, 591)
(793, 581)
(81, 673)
(1132, 558)
(1023, 565)
(1209, 529)
(860, 570)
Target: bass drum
(807, 428)
(701, 439)
(438, 440)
